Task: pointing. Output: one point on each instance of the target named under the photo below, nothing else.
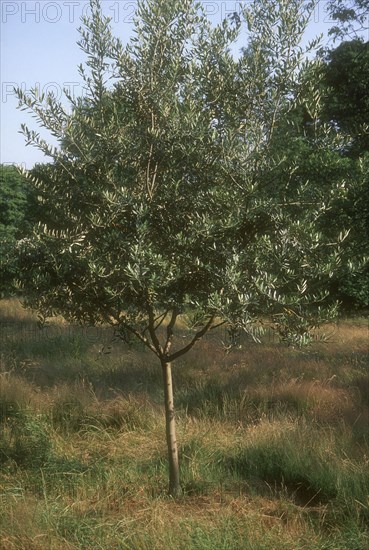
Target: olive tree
(161, 201)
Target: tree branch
(197, 337)
(218, 325)
(161, 317)
(152, 331)
(170, 327)
(138, 335)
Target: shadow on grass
(283, 469)
(268, 475)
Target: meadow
(274, 442)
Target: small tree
(161, 201)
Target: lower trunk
(170, 423)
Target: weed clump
(68, 414)
(25, 440)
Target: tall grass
(274, 445)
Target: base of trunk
(170, 425)
(175, 492)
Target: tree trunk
(170, 424)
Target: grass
(274, 443)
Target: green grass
(274, 445)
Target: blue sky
(38, 49)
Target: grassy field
(274, 443)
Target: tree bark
(170, 424)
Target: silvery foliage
(159, 199)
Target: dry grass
(12, 310)
(274, 444)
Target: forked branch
(195, 339)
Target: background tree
(352, 17)
(16, 203)
(161, 201)
(345, 84)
